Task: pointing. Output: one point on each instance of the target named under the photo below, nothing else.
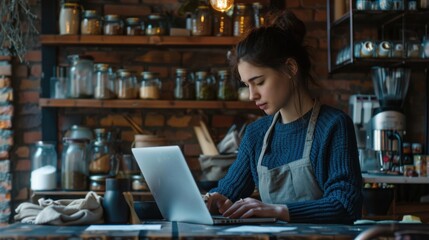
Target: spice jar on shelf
(69, 18)
(74, 164)
(91, 23)
(184, 88)
(134, 26)
(205, 86)
(156, 25)
(113, 25)
(150, 85)
(242, 19)
(104, 82)
(227, 89)
(222, 24)
(43, 166)
(202, 21)
(138, 183)
(79, 83)
(126, 84)
(102, 157)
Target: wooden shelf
(150, 104)
(378, 178)
(102, 40)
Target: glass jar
(102, 158)
(113, 25)
(202, 21)
(43, 166)
(134, 27)
(104, 82)
(258, 14)
(227, 90)
(138, 183)
(69, 18)
(150, 85)
(80, 84)
(156, 25)
(242, 19)
(413, 49)
(91, 23)
(222, 24)
(126, 84)
(74, 160)
(205, 86)
(97, 183)
(184, 85)
(243, 94)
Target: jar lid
(222, 72)
(181, 70)
(149, 75)
(112, 17)
(90, 13)
(241, 5)
(155, 16)
(98, 177)
(133, 20)
(101, 66)
(201, 74)
(137, 177)
(124, 72)
(43, 144)
(76, 140)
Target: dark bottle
(116, 210)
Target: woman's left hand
(250, 207)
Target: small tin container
(138, 183)
(97, 183)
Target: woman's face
(270, 89)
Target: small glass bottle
(242, 19)
(150, 86)
(126, 84)
(155, 25)
(134, 27)
(205, 86)
(258, 14)
(91, 23)
(202, 21)
(184, 86)
(113, 25)
(227, 90)
(102, 158)
(222, 24)
(74, 160)
(104, 82)
(80, 84)
(69, 18)
(43, 166)
(58, 82)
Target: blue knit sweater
(334, 158)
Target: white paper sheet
(130, 227)
(259, 229)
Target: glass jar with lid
(205, 86)
(134, 26)
(227, 89)
(43, 166)
(79, 83)
(102, 157)
(91, 23)
(202, 21)
(138, 183)
(150, 85)
(242, 19)
(97, 183)
(258, 14)
(69, 18)
(156, 25)
(113, 25)
(222, 24)
(74, 164)
(184, 85)
(104, 82)
(126, 84)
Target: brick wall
(177, 124)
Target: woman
(302, 156)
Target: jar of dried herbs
(113, 25)
(205, 86)
(184, 85)
(91, 23)
(227, 90)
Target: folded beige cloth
(62, 212)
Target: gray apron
(294, 181)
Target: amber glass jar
(113, 25)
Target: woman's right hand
(217, 203)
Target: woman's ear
(292, 66)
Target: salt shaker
(116, 209)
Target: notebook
(174, 188)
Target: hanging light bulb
(221, 5)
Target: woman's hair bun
(287, 21)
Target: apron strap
(266, 137)
(310, 129)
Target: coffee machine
(387, 125)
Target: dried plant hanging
(18, 29)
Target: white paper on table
(131, 227)
(259, 229)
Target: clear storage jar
(79, 83)
(102, 157)
(184, 88)
(242, 19)
(91, 23)
(126, 84)
(227, 89)
(43, 166)
(202, 21)
(222, 24)
(156, 25)
(74, 164)
(150, 85)
(113, 25)
(205, 86)
(69, 18)
(134, 26)
(104, 82)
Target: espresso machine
(387, 125)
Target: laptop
(174, 189)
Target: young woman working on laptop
(302, 156)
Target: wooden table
(175, 230)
